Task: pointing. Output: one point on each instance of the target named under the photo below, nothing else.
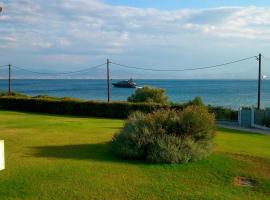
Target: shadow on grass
(96, 152)
(115, 128)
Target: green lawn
(54, 157)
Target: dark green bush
(266, 122)
(45, 97)
(2, 93)
(149, 95)
(222, 113)
(13, 94)
(197, 101)
(166, 136)
(267, 117)
(118, 110)
(121, 110)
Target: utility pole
(108, 79)
(9, 79)
(259, 81)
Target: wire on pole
(186, 69)
(108, 79)
(59, 73)
(259, 81)
(259, 58)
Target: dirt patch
(244, 182)
(255, 166)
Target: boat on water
(125, 84)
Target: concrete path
(235, 127)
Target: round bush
(166, 136)
(149, 95)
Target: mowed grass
(56, 157)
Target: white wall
(2, 155)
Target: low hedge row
(223, 113)
(118, 110)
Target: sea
(226, 93)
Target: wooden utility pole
(9, 79)
(108, 79)
(259, 81)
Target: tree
(149, 95)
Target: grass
(56, 157)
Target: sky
(69, 35)
(178, 4)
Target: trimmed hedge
(223, 113)
(71, 107)
(119, 110)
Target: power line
(59, 73)
(186, 69)
(132, 67)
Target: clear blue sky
(176, 4)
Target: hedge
(118, 110)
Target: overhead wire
(133, 67)
(59, 73)
(185, 69)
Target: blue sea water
(228, 93)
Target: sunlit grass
(54, 157)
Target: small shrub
(197, 101)
(46, 97)
(266, 121)
(166, 136)
(149, 95)
(69, 99)
(13, 94)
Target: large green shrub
(149, 95)
(166, 136)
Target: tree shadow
(115, 128)
(95, 152)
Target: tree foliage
(149, 95)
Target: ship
(125, 84)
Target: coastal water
(228, 93)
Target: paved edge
(252, 130)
